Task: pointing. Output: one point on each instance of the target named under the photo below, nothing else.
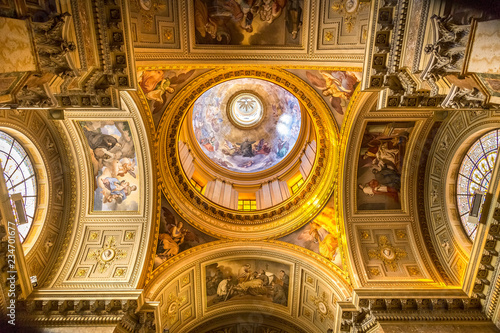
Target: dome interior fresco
(251, 166)
(220, 118)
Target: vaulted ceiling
(160, 216)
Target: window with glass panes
(247, 205)
(295, 187)
(475, 174)
(196, 185)
(20, 177)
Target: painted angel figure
(155, 84)
(169, 243)
(338, 85)
(262, 148)
(326, 241)
(116, 190)
(229, 149)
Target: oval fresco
(246, 149)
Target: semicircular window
(20, 177)
(475, 174)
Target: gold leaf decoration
(401, 234)
(173, 305)
(107, 255)
(129, 235)
(322, 307)
(374, 271)
(328, 35)
(386, 252)
(349, 9)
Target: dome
(246, 125)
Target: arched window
(20, 177)
(475, 174)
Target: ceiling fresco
(247, 280)
(246, 149)
(380, 165)
(320, 235)
(160, 86)
(114, 164)
(336, 87)
(176, 235)
(248, 22)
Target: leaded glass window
(475, 174)
(19, 176)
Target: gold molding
(222, 222)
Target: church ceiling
(112, 219)
(202, 29)
(386, 250)
(380, 208)
(320, 237)
(169, 128)
(272, 103)
(380, 164)
(114, 163)
(287, 284)
(160, 84)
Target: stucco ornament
(386, 252)
(107, 255)
(323, 309)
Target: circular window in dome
(475, 174)
(20, 177)
(245, 110)
(246, 125)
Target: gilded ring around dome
(280, 219)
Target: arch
(184, 302)
(39, 173)
(451, 143)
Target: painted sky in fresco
(247, 150)
(114, 163)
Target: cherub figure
(155, 84)
(338, 85)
